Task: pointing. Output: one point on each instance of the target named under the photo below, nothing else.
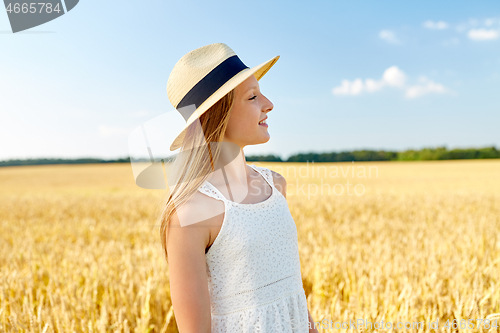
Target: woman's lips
(263, 124)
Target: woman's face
(250, 107)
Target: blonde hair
(193, 166)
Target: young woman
(233, 263)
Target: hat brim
(258, 71)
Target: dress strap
(265, 172)
(212, 191)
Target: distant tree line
(441, 153)
(425, 154)
(41, 161)
(264, 158)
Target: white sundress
(253, 267)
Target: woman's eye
(252, 97)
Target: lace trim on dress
(249, 290)
(234, 303)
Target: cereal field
(399, 242)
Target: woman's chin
(266, 139)
(260, 139)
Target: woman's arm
(312, 326)
(187, 270)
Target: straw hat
(202, 77)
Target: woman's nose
(268, 106)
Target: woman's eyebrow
(253, 87)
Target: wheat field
(398, 242)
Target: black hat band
(210, 84)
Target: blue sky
(352, 74)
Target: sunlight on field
(408, 242)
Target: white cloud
(349, 88)
(372, 85)
(388, 36)
(427, 86)
(483, 34)
(435, 25)
(476, 24)
(392, 77)
(471, 23)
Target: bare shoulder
(190, 224)
(279, 182)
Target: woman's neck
(231, 171)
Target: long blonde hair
(194, 166)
